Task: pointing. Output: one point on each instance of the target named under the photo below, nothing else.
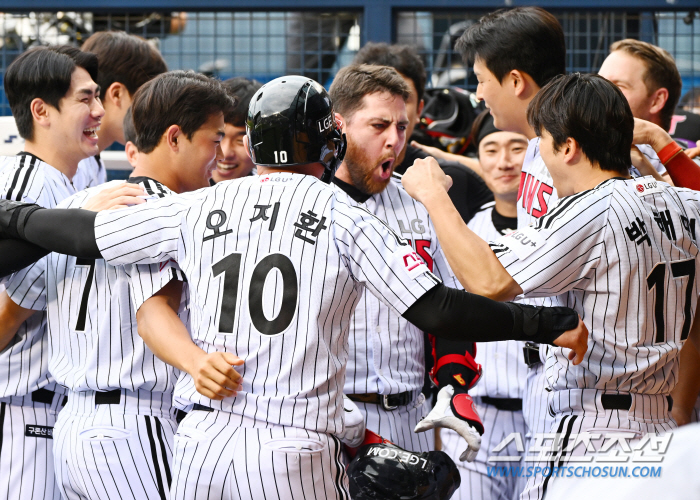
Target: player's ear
(118, 95)
(340, 121)
(40, 112)
(172, 135)
(131, 153)
(517, 81)
(570, 150)
(245, 145)
(421, 104)
(658, 101)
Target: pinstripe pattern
(537, 394)
(530, 208)
(26, 463)
(476, 483)
(107, 452)
(105, 352)
(387, 353)
(24, 364)
(586, 243)
(227, 457)
(504, 376)
(94, 345)
(292, 377)
(303, 387)
(593, 420)
(504, 370)
(91, 172)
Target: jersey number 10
(230, 266)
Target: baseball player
(623, 250)
(499, 392)
(276, 286)
(114, 437)
(55, 102)
(126, 63)
(386, 362)
(517, 56)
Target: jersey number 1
(230, 266)
(657, 280)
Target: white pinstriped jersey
(626, 254)
(387, 353)
(275, 266)
(537, 195)
(504, 369)
(91, 172)
(25, 362)
(93, 339)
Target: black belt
(388, 401)
(113, 397)
(198, 407)
(505, 404)
(43, 396)
(531, 353)
(179, 415)
(623, 401)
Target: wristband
(668, 151)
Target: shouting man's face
(376, 135)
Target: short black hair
(528, 39)
(592, 111)
(44, 73)
(242, 89)
(126, 59)
(403, 58)
(128, 125)
(182, 98)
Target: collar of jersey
(24, 153)
(352, 191)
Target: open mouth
(91, 132)
(386, 168)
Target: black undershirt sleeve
(70, 231)
(459, 315)
(16, 255)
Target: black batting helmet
(291, 122)
(385, 471)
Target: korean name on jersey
(275, 266)
(636, 240)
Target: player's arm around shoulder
(167, 337)
(475, 265)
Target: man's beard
(361, 169)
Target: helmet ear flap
(341, 147)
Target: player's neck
(104, 139)
(314, 169)
(53, 156)
(154, 166)
(506, 205)
(586, 178)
